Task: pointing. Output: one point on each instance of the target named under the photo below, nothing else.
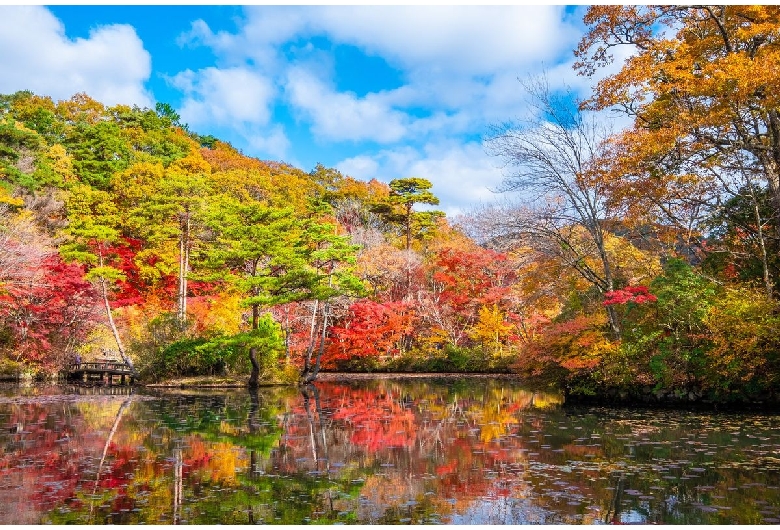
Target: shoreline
(232, 382)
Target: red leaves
(47, 314)
(480, 276)
(131, 288)
(371, 329)
(638, 295)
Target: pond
(387, 451)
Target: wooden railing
(101, 371)
(116, 367)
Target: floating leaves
(379, 452)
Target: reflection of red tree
(378, 418)
(197, 456)
(426, 441)
(49, 463)
(115, 477)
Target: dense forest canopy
(647, 257)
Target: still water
(471, 451)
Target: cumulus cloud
(273, 142)
(475, 40)
(361, 167)
(460, 63)
(342, 115)
(111, 65)
(224, 96)
(462, 174)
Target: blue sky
(375, 91)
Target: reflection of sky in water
(502, 512)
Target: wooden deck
(101, 372)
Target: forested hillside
(126, 234)
(645, 258)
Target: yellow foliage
(221, 313)
(703, 89)
(243, 184)
(743, 326)
(192, 163)
(491, 328)
(7, 199)
(99, 340)
(81, 107)
(635, 266)
(433, 338)
(137, 182)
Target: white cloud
(361, 167)
(343, 116)
(111, 65)
(274, 142)
(462, 174)
(263, 30)
(226, 96)
(463, 39)
(460, 63)
(474, 40)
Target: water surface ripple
(376, 452)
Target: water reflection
(377, 452)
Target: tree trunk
(614, 323)
(772, 168)
(311, 374)
(768, 286)
(310, 349)
(111, 324)
(184, 262)
(609, 281)
(408, 226)
(254, 376)
(772, 163)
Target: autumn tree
(370, 330)
(703, 90)
(462, 282)
(46, 306)
(50, 314)
(405, 193)
(93, 221)
(738, 246)
(252, 249)
(330, 257)
(554, 158)
(165, 207)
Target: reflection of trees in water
(109, 439)
(383, 452)
(414, 449)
